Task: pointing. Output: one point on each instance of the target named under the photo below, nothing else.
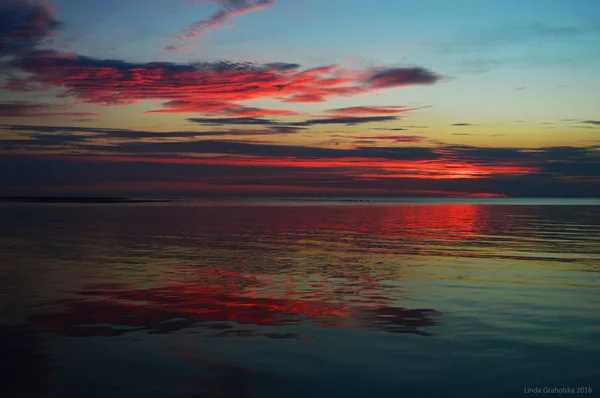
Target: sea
(300, 298)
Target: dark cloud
(285, 129)
(60, 129)
(176, 48)
(282, 66)
(397, 77)
(350, 121)
(35, 109)
(232, 120)
(24, 24)
(393, 138)
(38, 136)
(594, 122)
(462, 124)
(20, 108)
(368, 110)
(216, 108)
(34, 139)
(42, 142)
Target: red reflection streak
(405, 224)
(422, 169)
(198, 303)
(447, 222)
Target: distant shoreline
(80, 199)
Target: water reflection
(218, 302)
(264, 301)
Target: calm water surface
(298, 300)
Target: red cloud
(113, 82)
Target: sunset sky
(300, 97)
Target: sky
(290, 97)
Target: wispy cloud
(34, 109)
(393, 138)
(350, 121)
(176, 48)
(368, 110)
(216, 108)
(36, 132)
(229, 10)
(390, 129)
